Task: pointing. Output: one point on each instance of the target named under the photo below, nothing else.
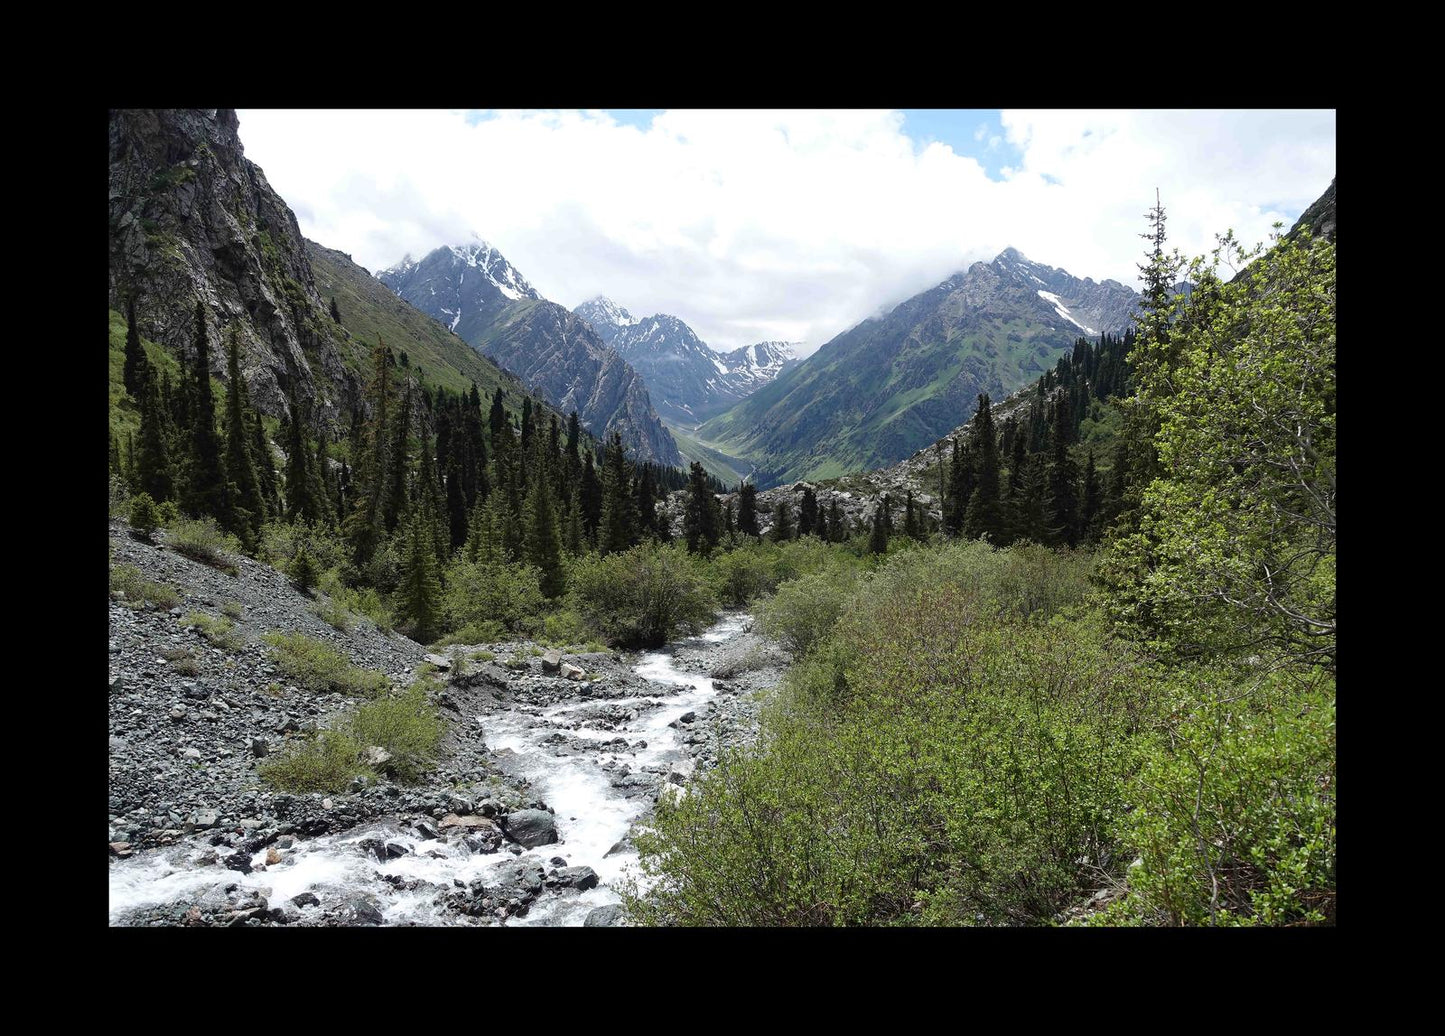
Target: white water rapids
(592, 817)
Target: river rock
(572, 672)
(531, 827)
(425, 828)
(442, 662)
(363, 910)
(478, 823)
(260, 748)
(580, 878)
(206, 818)
(604, 917)
(305, 899)
(552, 661)
(377, 756)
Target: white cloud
(779, 225)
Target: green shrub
(282, 541)
(739, 576)
(169, 513)
(562, 628)
(478, 593)
(475, 633)
(144, 517)
(406, 725)
(927, 762)
(803, 611)
(1234, 820)
(140, 591)
(327, 762)
(481, 656)
(202, 540)
(321, 668)
(363, 601)
(302, 571)
(217, 630)
(644, 597)
(333, 614)
(232, 609)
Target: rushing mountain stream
(598, 762)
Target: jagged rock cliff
(191, 218)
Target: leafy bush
(302, 571)
(321, 668)
(203, 541)
(406, 725)
(929, 761)
(564, 627)
(144, 517)
(327, 762)
(364, 601)
(739, 576)
(217, 630)
(475, 633)
(1235, 816)
(140, 591)
(333, 614)
(479, 592)
(282, 541)
(803, 611)
(232, 609)
(643, 597)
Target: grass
(321, 668)
(334, 615)
(139, 591)
(405, 725)
(232, 609)
(204, 541)
(481, 656)
(217, 629)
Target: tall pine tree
(205, 484)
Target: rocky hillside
(559, 355)
(688, 381)
(479, 295)
(895, 383)
(192, 219)
(198, 702)
(464, 287)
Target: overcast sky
(759, 225)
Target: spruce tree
(730, 525)
(591, 493)
(887, 509)
(573, 538)
(302, 570)
(335, 310)
(616, 529)
(1093, 502)
(836, 534)
(205, 487)
(1014, 503)
(151, 461)
(984, 515)
(961, 481)
(301, 502)
(748, 509)
(912, 527)
(647, 520)
(544, 539)
(698, 519)
(808, 513)
(782, 522)
(363, 526)
(399, 464)
(878, 538)
(1061, 503)
(248, 513)
(456, 502)
(419, 595)
(136, 364)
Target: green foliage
(643, 597)
(333, 614)
(493, 597)
(803, 611)
(318, 667)
(201, 539)
(140, 591)
(232, 609)
(563, 628)
(1234, 821)
(144, 516)
(217, 629)
(404, 724)
(327, 762)
(302, 571)
(745, 573)
(935, 757)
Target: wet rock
(363, 910)
(239, 861)
(373, 847)
(531, 827)
(471, 823)
(425, 828)
(395, 850)
(604, 917)
(121, 849)
(305, 899)
(206, 818)
(273, 857)
(580, 878)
